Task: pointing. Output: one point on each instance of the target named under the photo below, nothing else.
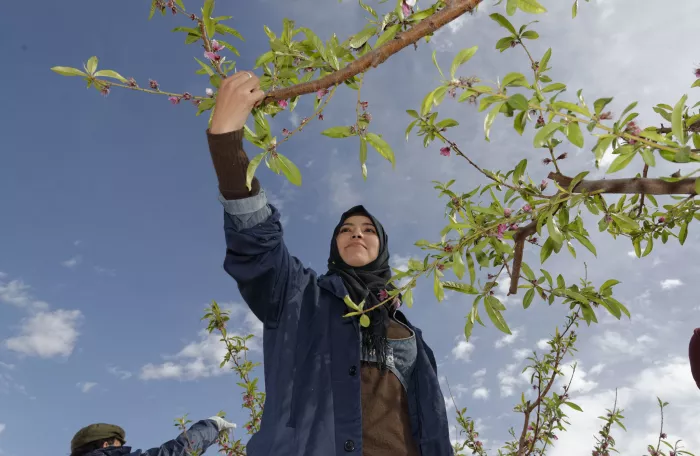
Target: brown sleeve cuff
(231, 164)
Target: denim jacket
(311, 353)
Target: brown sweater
(386, 425)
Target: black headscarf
(366, 283)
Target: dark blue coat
(312, 353)
(200, 436)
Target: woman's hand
(237, 96)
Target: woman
(332, 387)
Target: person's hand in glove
(222, 424)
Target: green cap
(96, 432)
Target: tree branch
(630, 185)
(376, 57)
(520, 237)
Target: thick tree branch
(374, 58)
(520, 237)
(631, 185)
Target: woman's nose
(357, 234)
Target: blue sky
(111, 244)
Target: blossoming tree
(489, 225)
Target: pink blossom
(209, 92)
(507, 212)
(174, 100)
(216, 46)
(406, 9)
(543, 184)
(502, 228)
(196, 102)
(283, 104)
(153, 84)
(697, 73)
(383, 295)
(445, 151)
(285, 132)
(364, 105)
(527, 208)
(187, 96)
(132, 82)
(320, 116)
(662, 219)
(513, 226)
(633, 129)
(213, 56)
(321, 93)
(105, 90)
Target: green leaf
(511, 6)
(388, 34)
(470, 265)
(620, 162)
(531, 6)
(264, 58)
(519, 122)
(350, 303)
(252, 167)
(648, 156)
(458, 265)
(571, 404)
(153, 9)
(111, 74)
(609, 284)
(503, 22)
(574, 9)
(677, 120)
(585, 242)
(461, 58)
(338, 132)
(382, 147)
(460, 287)
(518, 101)
(571, 107)
(696, 84)
(600, 104)
(625, 222)
(554, 232)
(554, 87)
(528, 272)
(209, 24)
(290, 170)
(573, 132)
(546, 250)
(91, 65)
(545, 59)
(407, 298)
(68, 71)
(515, 79)
(530, 35)
(527, 299)
(364, 321)
(545, 132)
(180, 4)
(490, 117)
(205, 67)
(436, 64)
(491, 304)
(438, 288)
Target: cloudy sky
(111, 243)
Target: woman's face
(357, 241)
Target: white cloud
(117, 372)
(86, 386)
(105, 271)
(480, 393)
(508, 379)
(521, 353)
(202, 358)
(47, 334)
(72, 262)
(507, 339)
(614, 342)
(479, 373)
(580, 383)
(7, 366)
(463, 350)
(340, 191)
(3, 275)
(670, 284)
(294, 119)
(77, 242)
(543, 344)
(17, 294)
(597, 369)
(2, 427)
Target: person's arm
(194, 441)
(256, 256)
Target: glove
(222, 424)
